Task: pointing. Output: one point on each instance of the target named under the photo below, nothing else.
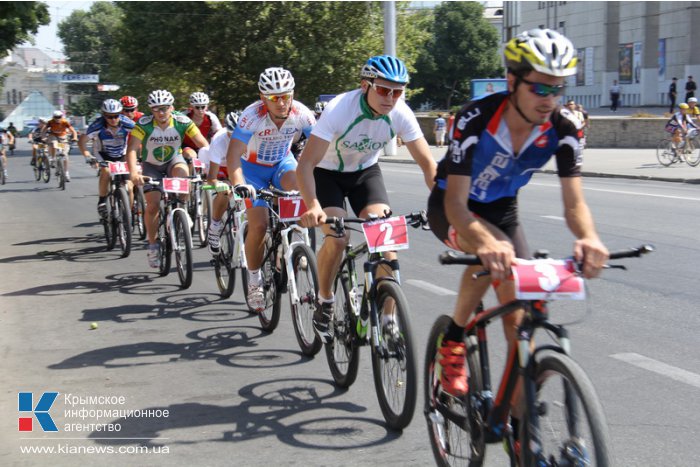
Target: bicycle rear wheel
(454, 424)
(306, 279)
(183, 248)
(121, 220)
(223, 270)
(270, 316)
(393, 363)
(206, 216)
(572, 427)
(164, 243)
(137, 212)
(665, 153)
(200, 224)
(343, 352)
(107, 223)
(46, 170)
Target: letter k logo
(41, 411)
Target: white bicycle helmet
(57, 114)
(231, 121)
(199, 98)
(111, 106)
(160, 97)
(692, 99)
(276, 81)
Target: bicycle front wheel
(121, 220)
(183, 249)
(46, 171)
(343, 352)
(164, 243)
(60, 173)
(454, 424)
(665, 153)
(107, 223)
(223, 270)
(137, 213)
(306, 279)
(693, 158)
(572, 427)
(38, 165)
(270, 316)
(206, 216)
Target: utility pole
(390, 49)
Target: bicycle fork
(288, 249)
(171, 230)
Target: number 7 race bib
(291, 208)
(386, 234)
(547, 279)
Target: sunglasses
(161, 109)
(544, 90)
(130, 109)
(111, 117)
(385, 91)
(199, 107)
(279, 97)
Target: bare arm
(236, 149)
(131, 151)
(200, 140)
(313, 154)
(420, 152)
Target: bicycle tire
(183, 249)
(577, 399)
(664, 154)
(270, 316)
(223, 268)
(200, 224)
(394, 365)
(2, 172)
(343, 352)
(164, 244)
(60, 173)
(453, 444)
(137, 213)
(693, 157)
(38, 164)
(306, 279)
(46, 173)
(122, 221)
(107, 223)
(206, 216)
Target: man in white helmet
(259, 155)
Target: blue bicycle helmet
(387, 67)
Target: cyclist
(681, 126)
(130, 108)
(36, 136)
(496, 144)
(694, 110)
(206, 121)
(340, 160)
(214, 157)
(109, 134)
(12, 129)
(6, 140)
(57, 129)
(260, 154)
(160, 137)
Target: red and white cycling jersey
(267, 144)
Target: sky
(47, 37)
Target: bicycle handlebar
(415, 219)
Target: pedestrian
(614, 96)
(439, 130)
(690, 88)
(672, 93)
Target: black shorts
(362, 188)
(502, 213)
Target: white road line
(622, 192)
(661, 368)
(556, 218)
(437, 290)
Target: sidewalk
(618, 163)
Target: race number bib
(291, 208)
(198, 165)
(386, 234)
(176, 185)
(118, 168)
(547, 279)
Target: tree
(464, 46)
(19, 21)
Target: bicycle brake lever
(479, 274)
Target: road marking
(661, 368)
(437, 290)
(623, 192)
(556, 218)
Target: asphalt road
(237, 396)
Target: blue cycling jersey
(481, 148)
(111, 145)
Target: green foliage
(19, 21)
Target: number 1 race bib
(291, 208)
(176, 185)
(547, 279)
(386, 234)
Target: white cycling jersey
(218, 148)
(267, 144)
(356, 136)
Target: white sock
(254, 277)
(216, 225)
(326, 300)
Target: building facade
(642, 45)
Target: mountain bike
(288, 265)
(117, 223)
(61, 154)
(667, 153)
(174, 231)
(42, 167)
(195, 204)
(563, 422)
(359, 311)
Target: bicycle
(61, 155)
(42, 167)
(195, 204)
(2, 170)
(138, 208)
(174, 231)
(358, 316)
(667, 153)
(460, 427)
(231, 254)
(288, 265)
(117, 223)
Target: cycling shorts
(262, 176)
(54, 140)
(104, 156)
(502, 213)
(159, 171)
(361, 188)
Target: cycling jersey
(357, 137)
(680, 121)
(110, 145)
(267, 144)
(209, 126)
(58, 127)
(159, 146)
(481, 148)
